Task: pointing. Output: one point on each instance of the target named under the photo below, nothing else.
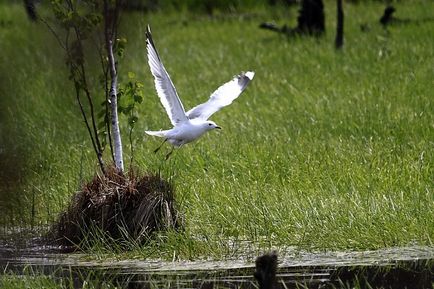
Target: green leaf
(120, 46)
(131, 75)
(127, 109)
(132, 120)
(138, 98)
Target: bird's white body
(184, 133)
(189, 126)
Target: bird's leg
(171, 151)
(159, 147)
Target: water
(404, 267)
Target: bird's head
(209, 125)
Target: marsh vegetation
(324, 151)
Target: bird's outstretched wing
(223, 96)
(165, 89)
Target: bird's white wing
(163, 84)
(223, 96)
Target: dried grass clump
(118, 207)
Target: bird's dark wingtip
(149, 39)
(244, 78)
(250, 74)
(148, 33)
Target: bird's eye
(210, 124)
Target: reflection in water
(410, 267)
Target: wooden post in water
(339, 41)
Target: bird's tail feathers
(159, 133)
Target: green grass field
(325, 150)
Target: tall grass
(325, 150)
(60, 280)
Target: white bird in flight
(189, 126)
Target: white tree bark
(116, 133)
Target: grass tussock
(118, 207)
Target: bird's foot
(159, 147)
(169, 154)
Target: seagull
(188, 126)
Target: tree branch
(54, 33)
(87, 92)
(98, 153)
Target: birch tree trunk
(116, 133)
